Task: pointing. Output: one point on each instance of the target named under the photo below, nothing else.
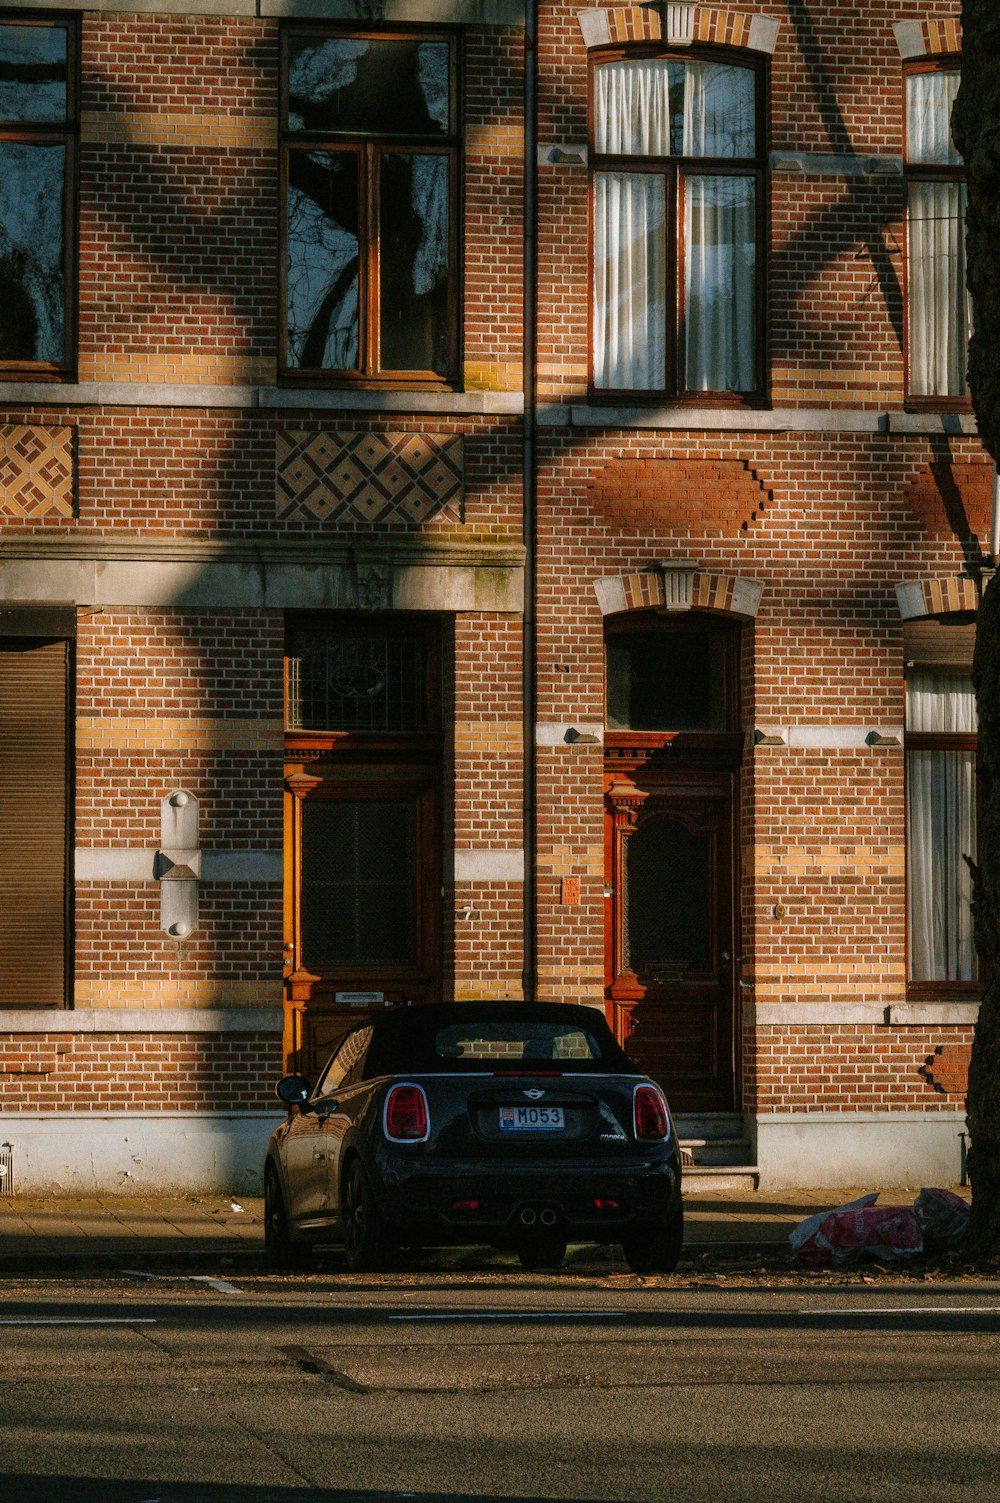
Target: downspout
(529, 974)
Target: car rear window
(515, 1043)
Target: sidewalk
(55, 1234)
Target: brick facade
(190, 503)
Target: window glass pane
(630, 296)
(667, 902)
(719, 115)
(32, 287)
(639, 107)
(662, 681)
(929, 101)
(670, 107)
(356, 681)
(940, 832)
(368, 87)
(719, 282)
(413, 260)
(940, 310)
(323, 263)
(33, 73)
(940, 702)
(358, 883)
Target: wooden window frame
(68, 132)
(726, 744)
(369, 151)
(916, 741)
(673, 170)
(922, 173)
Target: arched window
(677, 155)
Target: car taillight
(650, 1114)
(405, 1117)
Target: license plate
(532, 1119)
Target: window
(37, 165)
(669, 676)
(370, 174)
(35, 824)
(678, 198)
(938, 305)
(940, 803)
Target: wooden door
(670, 939)
(362, 898)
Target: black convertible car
(518, 1125)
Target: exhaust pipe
(548, 1218)
(527, 1217)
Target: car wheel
(366, 1242)
(541, 1254)
(657, 1248)
(279, 1249)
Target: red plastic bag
(859, 1230)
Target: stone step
(705, 1125)
(715, 1151)
(734, 1179)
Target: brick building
(370, 631)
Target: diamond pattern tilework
(36, 471)
(404, 478)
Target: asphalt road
(277, 1390)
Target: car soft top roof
(404, 1036)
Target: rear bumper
(467, 1203)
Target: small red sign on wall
(570, 890)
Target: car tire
(541, 1254)
(657, 1248)
(279, 1249)
(366, 1241)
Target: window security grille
(356, 681)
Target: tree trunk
(976, 126)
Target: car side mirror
(293, 1090)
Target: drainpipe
(529, 974)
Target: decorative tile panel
(36, 471)
(401, 478)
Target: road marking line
(909, 1310)
(517, 1315)
(80, 1320)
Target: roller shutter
(34, 799)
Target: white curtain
(940, 830)
(633, 107)
(667, 107)
(629, 281)
(940, 315)
(929, 101)
(672, 107)
(719, 282)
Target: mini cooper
(516, 1125)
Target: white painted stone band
(489, 866)
(128, 864)
(183, 394)
(831, 737)
(491, 13)
(141, 1020)
(851, 1014)
(220, 584)
(755, 420)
